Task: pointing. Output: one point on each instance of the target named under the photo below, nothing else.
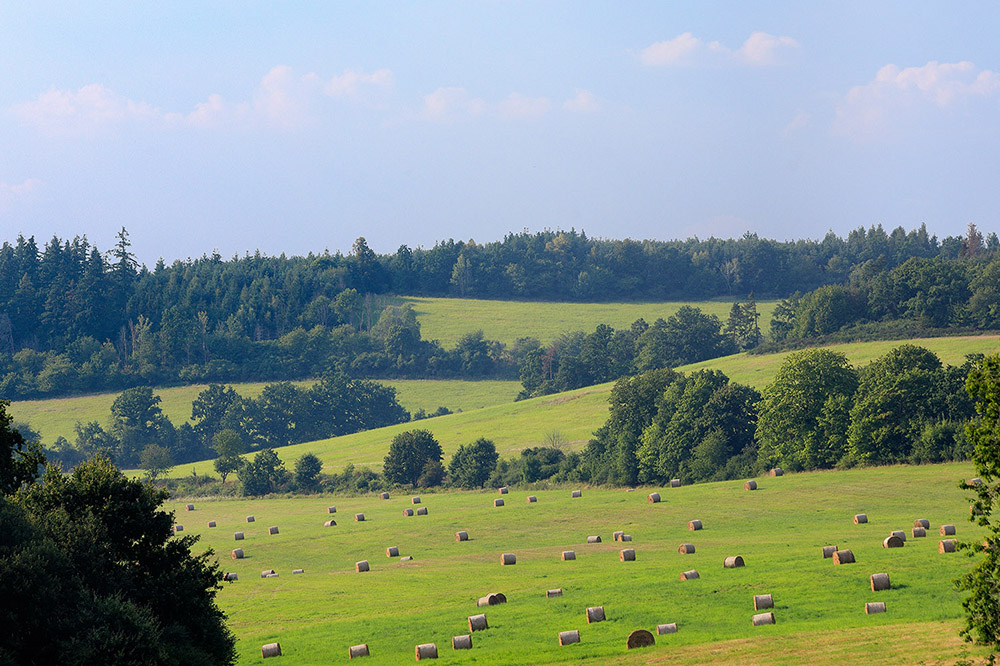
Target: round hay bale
(899, 533)
(975, 482)
(461, 535)
(501, 597)
(178, 528)
(761, 619)
(975, 510)
(686, 548)
(639, 638)
(617, 535)
(577, 493)
(211, 523)
(232, 576)
(359, 517)
(626, 555)
(922, 522)
(694, 525)
(503, 491)
(408, 512)
(384, 496)
(892, 541)
(491, 599)
(270, 650)
(750, 485)
(478, 623)
(653, 498)
(461, 642)
(762, 601)
(298, 571)
(595, 614)
(273, 529)
(879, 582)
(406, 558)
(237, 554)
(776, 471)
(331, 509)
(271, 575)
(392, 551)
(947, 530)
(625, 538)
(557, 592)
(828, 551)
(330, 523)
(568, 555)
(690, 575)
(361, 566)
(670, 628)
(860, 518)
(531, 499)
(734, 562)
(508, 558)
(238, 536)
(630, 490)
(415, 500)
(267, 572)
(189, 507)
(422, 511)
(874, 607)
(569, 637)
(250, 519)
(358, 651)
(594, 539)
(498, 502)
(426, 651)
(946, 546)
(675, 483)
(843, 557)
(919, 532)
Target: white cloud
(448, 102)
(583, 102)
(800, 121)
(9, 193)
(354, 84)
(865, 112)
(759, 50)
(517, 105)
(83, 111)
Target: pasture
(778, 529)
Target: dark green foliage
(20, 461)
(433, 474)
(472, 464)
(155, 461)
(307, 470)
(230, 447)
(262, 475)
(409, 453)
(137, 422)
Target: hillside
(778, 530)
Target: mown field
(778, 529)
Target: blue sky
(296, 127)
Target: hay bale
(298, 571)
(975, 510)
(267, 572)
(508, 558)
(899, 533)
(271, 575)
(892, 541)
(359, 517)
(568, 555)
(478, 623)
(595, 614)
(843, 557)
(406, 558)
(734, 562)
(640, 638)
(594, 539)
(947, 530)
(408, 512)
(270, 650)
(330, 523)
(362, 566)
(178, 528)
(392, 551)
(384, 496)
(498, 502)
(617, 535)
(237, 554)
(626, 555)
(750, 485)
(531, 499)
(238, 536)
(557, 592)
(503, 491)
(653, 498)
(491, 599)
(776, 471)
(461, 642)
(686, 548)
(762, 601)
(874, 607)
(670, 628)
(422, 511)
(331, 509)
(922, 522)
(675, 483)
(919, 532)
(211, 523)
(694, 525)
(947, 546)
(879, 582)
(358, 651)
(569, 637)
(461, 535)
(761, 619)
(690, 575)
(414, 500)
(189, 507)
(231, 576)
(828, 551)
(426, 651)
(577, 493)
(975, 482)
(860, 518)
(273, 529)
(626, 537)
(250, 519)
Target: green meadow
(778, 529)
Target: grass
(778, 529)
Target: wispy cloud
(82, 111)
(685, 50)
(583, 102)
(9, 193)
(452, 103)
(448, 102)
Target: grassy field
(447, 319)
(778, 529)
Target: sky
(298, 127)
